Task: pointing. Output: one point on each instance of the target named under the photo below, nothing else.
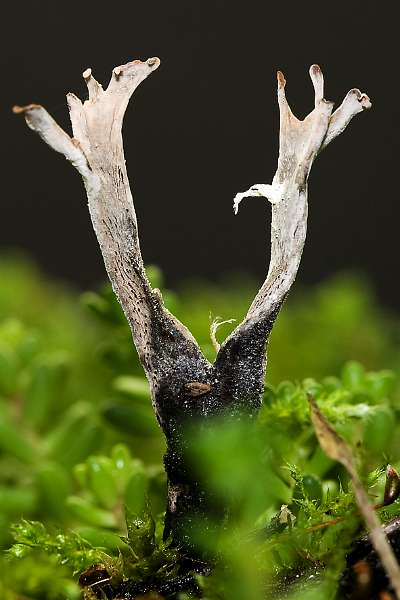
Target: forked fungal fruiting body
(185, 386)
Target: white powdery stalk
(300, 142)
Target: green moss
(81, 470)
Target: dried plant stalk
(337, 449)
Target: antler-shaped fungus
(184, 385)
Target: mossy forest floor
(81, 476)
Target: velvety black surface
(204, 127)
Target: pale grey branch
(299, 144)
(97, 153)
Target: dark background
(204, 127)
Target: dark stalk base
(94, 578)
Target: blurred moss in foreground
(81, 453)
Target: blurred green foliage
(81, 473)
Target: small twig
(326, 524)
(337, 449)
